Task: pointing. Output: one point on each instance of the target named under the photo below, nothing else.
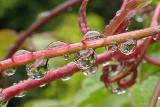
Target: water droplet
(115, 89)
(66, 78)
(3, 103)
(18, 57)
(56, 44)
(127, 47)
(43, 85)
(21, 52)
(22, 94)
(66, 57)
(159, 98)
(113, 46)
(90, 72)
(38, 69)
(113, 68)
(85, 59)
(139, 18)
(10, 72)
(43, 14)
(91, 35)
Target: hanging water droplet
(91, 35)
(3, 103)
(85, 59)
(159, 98)
(139, 18)
(38, 69)
(113, 46)
(43, 85)
(113, 68)
(66, 78)
(22, 94)
(10, 72)
(115, 89)
(90, 72)
(66, 57)
(127, 47)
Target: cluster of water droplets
(113, 68)
(85, 58)
(125, 48)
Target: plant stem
(155, 96)
(71, 48)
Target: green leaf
(7, 39)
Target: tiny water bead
(22, 94)
(21, 52)
(43, 85)
(85, 59)
(90, 72)
(91, 35)
(10, 72)
(38, 69)
(128, 47)
(115, 89)
(66, 78)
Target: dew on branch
(128, 47)
(66, 78)
(37, 69)
(22, 94)
(91, 71)
(10, 72)
(92, 35)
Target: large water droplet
(66, 78)
(22, 94)
(91, 35)
(19, 57)
(85, 59)
(10, 72)
(90, 72)
(115, 89)
(38, 69)
(128, 47)
(56, 44)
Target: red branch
(67, 70)
(38, 24)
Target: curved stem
(38, 24)
(71, 48)
(152, 60)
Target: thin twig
(40, 23)
(71, 48)
(155, 96)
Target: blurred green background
(80, 91)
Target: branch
(71, 48)
(67, 70)
(155, 96)
(38, 24)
